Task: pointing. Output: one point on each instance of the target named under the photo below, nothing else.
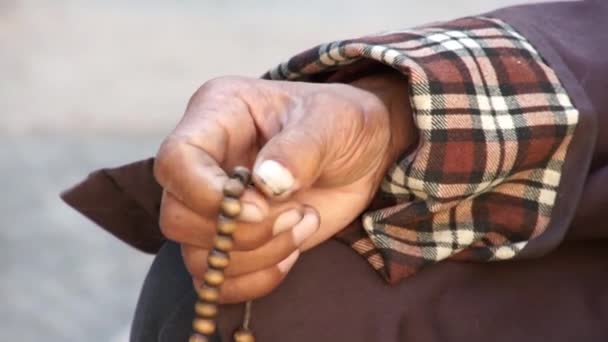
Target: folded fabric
(494, 125)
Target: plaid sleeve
(494, 124)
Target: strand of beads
(206, 307)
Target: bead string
(206, 307)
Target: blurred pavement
(89, 84)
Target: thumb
(289, 161)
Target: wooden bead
(209, 294)
(242, 174)
(204, 326)
(218, 259)
(205, 310)
(198, 338)
(226, 225)
(231, 207)
(213, 277)
(243, 335)
(223, 242)
(233, 188)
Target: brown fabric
(125, 201)
(591, 213)
(332, 295)
(571, 36)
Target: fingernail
(274, 176)
(286, 220)
(251, 213)
(285, 265)
(306, 227)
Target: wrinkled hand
(318, 153)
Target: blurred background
(91, 84)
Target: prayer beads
(206, 307)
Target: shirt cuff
(495, 125)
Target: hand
(318, 153)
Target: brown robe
(562, 296)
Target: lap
(333, 295)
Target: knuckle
(225, 81)
(169, 219)
(179, 226)
(168, 227)
(192, 261)
(195, 269)
(219, 85)
(169, 158)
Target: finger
(190, 173)
(333, 139)
(309, 144)
(244, 239)
(282, 216)
(289, 161)
(268, 255)
(181, 224)
(216, 133)
(254, 285)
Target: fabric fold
(125, 201)
(494, 123)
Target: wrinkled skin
(329, 146)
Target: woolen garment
(550, 182)
(494, 126)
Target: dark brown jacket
(560, 297)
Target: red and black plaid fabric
(494, 124)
